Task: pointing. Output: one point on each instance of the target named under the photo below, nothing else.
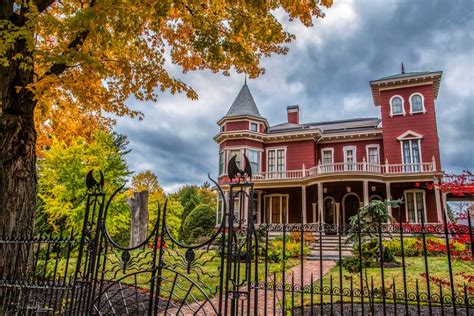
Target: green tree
(61, 187)
(189, 198)
(200, 223)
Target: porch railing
(357, 167)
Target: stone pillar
(365, 184)
(139, 217)
(338, 213)
(303, 203)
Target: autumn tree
(83, 59)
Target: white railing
(357, 167)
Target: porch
(332, 203)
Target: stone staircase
(329, 248)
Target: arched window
(396, 105)
(416, 103)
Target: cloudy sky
(327, 73)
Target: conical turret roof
(243, 104)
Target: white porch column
(303, 203)
(338, 218)
(445, 206)
(366, 192)
(389, 196)
(259, 207)
(320, 202)
(438, 202)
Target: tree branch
(76, 44)
(42, 5)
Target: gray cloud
(326, 72)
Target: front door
(275, 204)
(329, 211)
(351, 206)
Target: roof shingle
(243, 104)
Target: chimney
(293, 114)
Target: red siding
(361, 151)
(297, 154)
(424, 124)
(237, 126)
(241, 143)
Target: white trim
(406, 135)
(343, 202)
(354, 157)
(391, 108)
(367, 147)
(423, 108)
(414, 191)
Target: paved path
(309, 268)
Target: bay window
(254, 159)
(235, 152)
(221, 163)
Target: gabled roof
(357, 124)
(243, 104)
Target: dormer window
(253, 127)
(396, 106)
(417, 103)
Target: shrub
(352, 264)
(292, 249)
(199, 223)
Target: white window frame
(250, 126)
(327, 167)
(367, 151)
(354, 158)
(423, 109)
(391, 107)
(414, 191)
(275, 149)
(411, 136)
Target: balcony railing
(348, 168)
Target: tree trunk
(139, 217)
(17, 159)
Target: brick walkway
(309, 268)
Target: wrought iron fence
(366, 268)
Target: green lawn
(438, 269)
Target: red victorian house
(324, 171)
